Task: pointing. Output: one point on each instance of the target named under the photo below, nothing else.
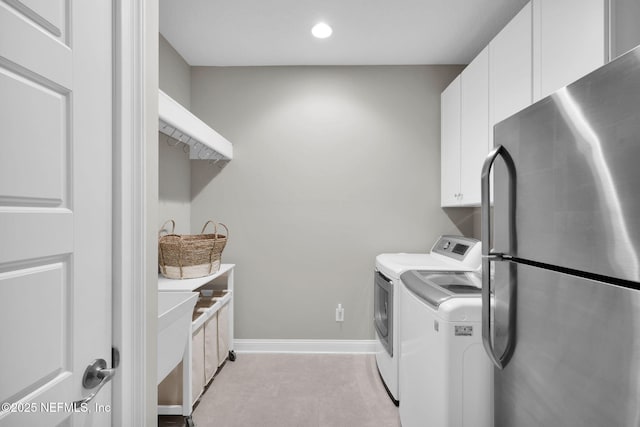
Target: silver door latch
(96, 375)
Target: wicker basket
(190, 256)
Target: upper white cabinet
(495, 85)
(450, 144)
(546, 46)
(510, 69)
(624, 29)
(474, 129)
(464, 138)
(569, 41)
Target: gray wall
(174, 73)
(332, 165)
(477, 224)
(174, 164)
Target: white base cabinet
(209, 350)
(210, 345)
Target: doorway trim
(135, 195)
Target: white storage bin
(210, 340)
(223, 334)
(210, 348)
(197, 364)
(170, 389)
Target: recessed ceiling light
(321, 30)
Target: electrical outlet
(340, 313)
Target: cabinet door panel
(569, 42)
(450, 144)
(625, 31)
(474, 132)
(510, 69)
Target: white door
(55, 209)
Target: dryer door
(383, 310)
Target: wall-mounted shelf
(179, 123)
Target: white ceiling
(365, 32)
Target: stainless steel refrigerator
(561, 295)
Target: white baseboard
(305, 346)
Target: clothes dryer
(449, 253)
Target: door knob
(96, 375)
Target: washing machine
(445, 374)
(451, 253)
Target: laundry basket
(187, 256)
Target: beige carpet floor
(296, 390)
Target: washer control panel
(458, 248)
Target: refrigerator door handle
(486, 315)
(488, 256)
